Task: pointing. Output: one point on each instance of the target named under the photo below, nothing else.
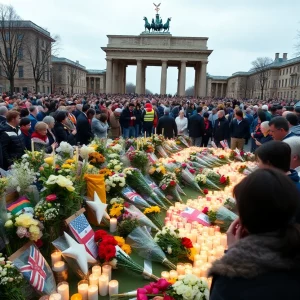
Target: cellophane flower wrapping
(161, 151)
(133, 197)
(189, 179)
(142, 242)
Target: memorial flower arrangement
(241, 169)
(115, 183)
(139, 160)
(148, 147)
(116, 210)
(153, 213)
(47, 210)
(157, 171)
(65, 150)
(3, 185)
(11, 281)
(205, 182)
(85, 151)
(35, 159)
(219, 180)
(168, 185)
(115, 165)
(96, 159)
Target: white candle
(113, 287)
(94, 279)
(63, 290)
(55, 296)
(165, 275)
(103, 285)
(180, 269)
(197, 271)
(93, 292)
(106, 270)
(113, 225)
(77, 153)
(83, 289)
(32, 147)
(55, 257)
(59, 266)
(173, 274)
(197, 247)
(96, 270)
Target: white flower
(169, 250)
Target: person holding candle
(263, 260)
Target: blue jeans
(196, 141)
(128, 132)
(137, 130)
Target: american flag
(83, 233)
(195, 215)
(35, 271)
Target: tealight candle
(83, 289)
(224, 240)
(180, 269)
(103, 285)
(55, 257)
(173, 274)
(197, 247)
(188, 271)
(198, 263)
(96, 270)
(93, 292)
(197, 271)
(55, 296)
(94, 279)
(59, 266)
(113, 225)
(106, 269)
(113, 287)
(165, 275)
(188, 266)
(63, 290)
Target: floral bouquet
(219, 180)
(171, 147)
(99, 145)
(224, 159)
(157, 171)
(136, 180)
(115, 165)
(153, 214)
(214, 161)
(169, 186)
(115, 183)
(65, 150)
(141, 241)
(85, 151)
(96, 159)
(204, 182)
(248, 156)
(12, 283)
(241, 169)
(139, 160)
(201, 160)
(133, 197)
(35, 159)
(183, 141)
(188, 178)
(116, 146)
(236, 155)
(175, 247)
(148, 147)
(127, 223)
(114, 251)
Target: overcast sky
(239, 31)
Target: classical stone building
(95, 81)
(282, 81)
(155, 49)
(36, 42)
(68, 76)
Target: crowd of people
(43, 121)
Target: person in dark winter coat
(25, 126)
(196, 127)
(61, 132)
(138, 119)
(221, 129)
(128, 121)
(83, 126)
(167, 125)
(11, 139)
(263, 257)
(207, 130)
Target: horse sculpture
(166, 26)
(147, 24)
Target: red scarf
(25, 132)
(38, 136)
(206, 124)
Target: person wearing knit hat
(148, 118)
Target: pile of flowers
(153, 214)
(114, 183)
(157, 171)
(47, 210)
(61, 181)
(65, 150)
(85, 151)
(139, 160)
(115, 165)
(96, 159)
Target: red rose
(242, 153)
(192, 171)
(99, 234)
(187, 243)
(184, 165)
(172, 183)
(205, 191)
(205, 210)
(51, 198)
(223, 179)
(163, 284)
(108, 240)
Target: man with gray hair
(167, 125)
(294, 143)
(3, 113)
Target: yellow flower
(116, 210)
(126, 248)
(70, 161)
(70, 188)
(192, 253)
(66, 166)
(120, 241)
(172, 280)
(152, 170)
(49, 160)
(163, 170)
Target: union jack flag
(35, 270)
(134, 197)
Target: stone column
(217, 90)
(209, 88)
(124, 84)
(138, 88)
(121, 77)
(144, 66)
(95, 81)
(178, 81)
(182, 78)
(108, 85)
(163, 77)
(198, 72)
(115, 83)
(222, 91)
(196, 81)
(203, 79)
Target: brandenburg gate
(156, 48)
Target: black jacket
(62, 134)
(208, 131)
(12, 142)
(254, 269)
(27, 140)
(196, 126)
(125, 117)
(239, 130)
(84, 130)
(138, 113)
(169, 125)
(221, 129)
(2, 119)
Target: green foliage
(212, 216)
(126, 226)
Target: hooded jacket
(254, 269)
(295, 130)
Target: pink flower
(148, 288)
(163, 187)
(192, 171)
(184, 165)
(142, 294)
(162, 284)
(205, 210)
(21, 231)
(167, 297)
(51, 198)
(155, 291)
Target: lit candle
(188, 266)
(197, 271)
(76, 297)
(162, 131)
(93, 279)
(103, 285)
(211, 258)
(93, 292)
(63, 290)
(165, 275)
(180, 269)
(106, 270)
(173, 274)
(55, 296)
(83, 289)
(59, 266)
(113, 287)
(77, 154)
(55, 257)
(145, 134)
(32, 147)
(224, 240)
(155, 130)
(113, 225)
(96, 270)
(188, 271)
(198, 263)
(197, 247)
